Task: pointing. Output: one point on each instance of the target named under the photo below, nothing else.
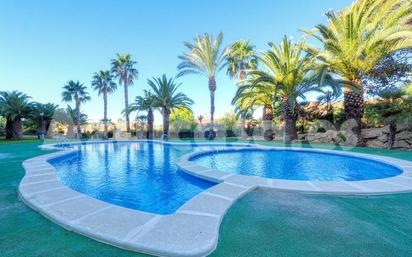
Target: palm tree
(328, 97)
(123, 69)
(14, 106)
(42, 115)
(244, 112)
(104, 84)
(75, 91)
(253, 95)
(241, 56)
(356, 40)
(145, 103)
(204, 57)
(287, 69)
(167, 98)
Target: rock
(402, 127)
(401, 145)
(404, 135)
(375, 143)
(372, 133)
(383, 138)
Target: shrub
(186, 133)
(230, 133)
(208, 136)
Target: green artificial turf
(23, 232)
(263, 223)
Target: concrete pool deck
(193, 229)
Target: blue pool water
(297, 165)
(140, 175)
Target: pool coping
(193, 229)
(401, 183)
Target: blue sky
(43, 44)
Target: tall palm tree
(356, 39)
(167, 98)
(123, 69)
(241, 56)
(103, 83)
(146, 103)
(14, 106)
(205, 56)
(287, 68)
(76, 91)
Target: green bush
(186, 133)
(2, 126)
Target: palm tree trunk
(79, 132)
(14, 130)
(392, 134)
(212, 89)
(150, 119)
(126, 102)
(267, 122)
(354, 105)
(242, 73)
(105, 114)
(166, 121)
(289, 116)
(242, 127)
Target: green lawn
(263, 223)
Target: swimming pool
(150, 179)
(138, 175)
(296, 165)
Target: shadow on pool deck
(263, 223)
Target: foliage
(35, 119)
(408, 89)
(182, 119)
(148, 102)
(166, 95)
(68, 116)
(168, 98)
(205, 56)
(15, 105)
(75, 91)
(124, 70)
(287, 70)
(394, 71)
(103, 82)
(360, 36)
(240, 58)
(2, 126)
(229, 120)
(392, 107)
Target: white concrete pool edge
(193, 229)
(401, 183)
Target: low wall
(374, 137)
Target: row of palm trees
(16, 106)
(354, 41)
